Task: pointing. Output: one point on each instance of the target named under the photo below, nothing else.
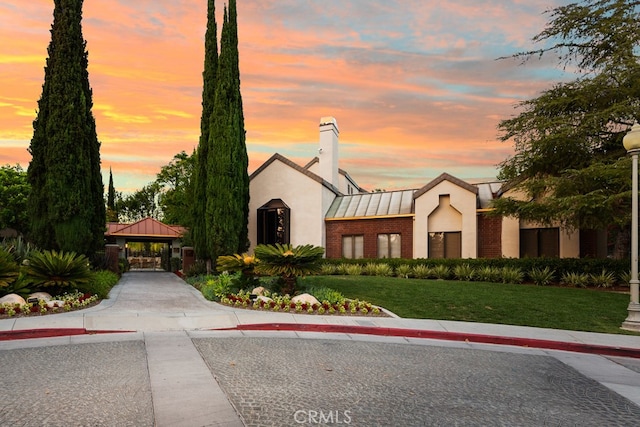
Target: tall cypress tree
(112, 214)
(199, 230)
(228, 186)
(66, 205)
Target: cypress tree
(66, 205)
(112, 214)
(199, 230)
(228, 186)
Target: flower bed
(62, 303)
(276, 303)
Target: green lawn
(526, 305)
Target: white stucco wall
(510, 237)
(305, 197)
(462, 201)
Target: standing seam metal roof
(372, 205)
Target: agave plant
(288, 262)
(57, 270)
(542, 276)
(8, 269)
(464, 272)
(580, 280)
(403, 270)
(421, 271)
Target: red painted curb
(48, 333)
(450, 336)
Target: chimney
(328, 151)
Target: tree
(175, 182)
(221, 191)
(14, 191)
(66, 205)
(112, 213)
(569, 162)
(141, 204)
(199, 230)
(228, 184)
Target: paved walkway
(192, 362)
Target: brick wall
(489, 236)
(369, 228)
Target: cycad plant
(57, 270)
(8, 269)
(288, 262)
(245, 264)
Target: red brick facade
(369, 228)
(489, 236)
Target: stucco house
(322, 205)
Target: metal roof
(391, 203)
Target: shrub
(579, 280)
(369, 269)
(441, 272)
(625, 278)
(288, 262)
(511, 275)
(604, 279)
(18, 248)
(464, 272)
(403, 270)
(328, 269)
(353, 270)
(489, 273)
(327, 294)
(57, 270)
(198, 268)
(8, 269)
(542, 276)
(384, 270)
(216, 288)
(421, 271)
(100, 283)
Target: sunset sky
(414, 84)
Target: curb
(49, 333)
(441, 335)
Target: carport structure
(147, 231)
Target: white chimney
(328, 151)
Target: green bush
(326, 294)
(18, 248)
(288, 262)
(489, 273)
(369, 269)
(464, 272)
(383, 270)
(542, 276)
(100, 283)
(8, 269)
(328, 269)
(441, 272)
(198, 268)
(220, 286)
(604, 279)
(59, 271)
(579, 280)
(404, 270)
(421, 271)
(511, 275)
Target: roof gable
(149, 227)
(446, 177)
(297, 168)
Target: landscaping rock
(12, 299)
(263, 298)
(259, 290)
(41, 296)
(55, 303)
(302, 298)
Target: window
(389, 246)
(273, 223)
(353, 246)
(446, 244)
(540, 242)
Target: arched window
(273, 222)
